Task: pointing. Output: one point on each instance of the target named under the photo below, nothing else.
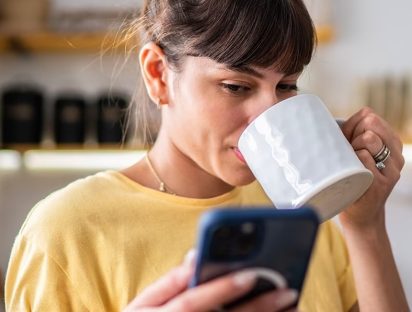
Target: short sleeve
(32, 276)
(343, 267)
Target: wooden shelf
(80, 160)
(9, 160)
(53, 42)
(41, 42)
(69, 160)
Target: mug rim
(303, 199)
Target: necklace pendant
(162, 187)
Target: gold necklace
(162, 186)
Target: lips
(239, 155)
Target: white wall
(372, 38)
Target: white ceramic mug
(300, 156)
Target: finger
(273, 301)
(167, 287)
(381, 128)
(368, 122)
(190, 258)
(349, 125)
(386, 177)
(368, 140)
(396, 159)
(387, 135)
(366, 119)
(214, 294)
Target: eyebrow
(249, 70)
(244, 70)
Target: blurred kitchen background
(65, 82)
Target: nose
(262, 104)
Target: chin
(241, 179)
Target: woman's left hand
(367, 133)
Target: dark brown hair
(237, 33)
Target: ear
(154, 72)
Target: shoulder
(62, 213)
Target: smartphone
(231, 239)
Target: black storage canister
(111, 118)
(69, 120)
(22, 115)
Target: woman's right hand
(171, 293)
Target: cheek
(198, 102)
(202, 108)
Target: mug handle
(340, 121)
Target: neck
(182, 174)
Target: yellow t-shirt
(95, 244)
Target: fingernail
(244, 278)
(288, 297)
(190, 257)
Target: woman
(211, 66)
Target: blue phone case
(231, 239)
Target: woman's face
(209, 107)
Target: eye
(287, 87)
(234, 88)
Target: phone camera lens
(248, 228)
(235, 242)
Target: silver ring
(381, 157)
(380, 165)
(380, 151)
